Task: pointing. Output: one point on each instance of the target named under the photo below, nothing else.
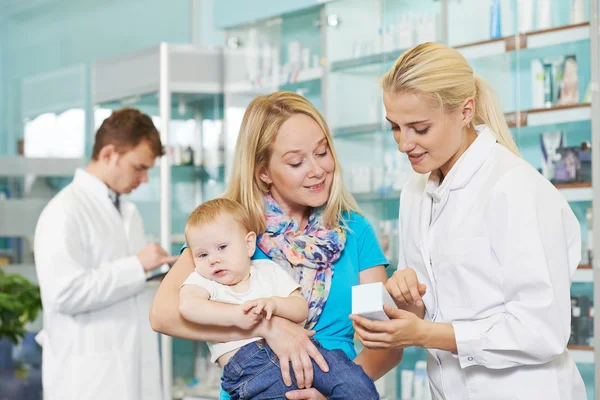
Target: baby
(222, 242)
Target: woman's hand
(305, 394)
(291, 343)
(407, 291)
(405, 329)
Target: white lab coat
(497, 246)
(97, 341)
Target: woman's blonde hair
(443, 74)
(261, 123)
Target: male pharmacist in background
(91, 260)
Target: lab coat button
(470, 358)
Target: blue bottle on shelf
(495, 20)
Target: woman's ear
(468, 111)
(265, 176)
(251, 243)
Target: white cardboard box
(368, 301)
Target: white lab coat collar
(99, 190)
(91, 183)
(464, 168)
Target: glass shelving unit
(181, 88)
(51, 147)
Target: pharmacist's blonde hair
(443, 74)
(262, 120)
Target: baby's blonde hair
(209, 211)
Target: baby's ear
(251, 243)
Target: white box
(368, 301)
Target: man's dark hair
(125, 129)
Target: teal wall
(70, 32)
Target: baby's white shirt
(267, 279)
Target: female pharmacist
(494, 243)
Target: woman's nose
(316, 168)
(405, 144)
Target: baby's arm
(195, 306)
(294, 307)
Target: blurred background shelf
(549, 116)
(581, 354)
(11, 166)
(584, 273)
(574, 192)
(524, 41)
(373, 59)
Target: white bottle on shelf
(421, 29)
(253, 56)
(387, 39)
(407, 377)
(577, 11)
(526, 15)
(267, 60)
(421, 383)
(508, 22)
(431, 27)
(544, 14)
(405, 33)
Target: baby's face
(222, 250)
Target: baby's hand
(246, 320)
(258, 306)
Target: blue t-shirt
(362, 251)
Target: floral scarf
(307, 255)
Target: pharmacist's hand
(405, 288)
(267, 305)
(404, 329)
(305, 394)
(153, 256)
(246, 319)
(291, 343)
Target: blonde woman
(287, 176)
(491, 243)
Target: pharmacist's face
(431, 137)
(129, 170)
(301, 167)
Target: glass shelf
(364, 61)
(525, 41)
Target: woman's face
(300, 171)
(431, 137)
